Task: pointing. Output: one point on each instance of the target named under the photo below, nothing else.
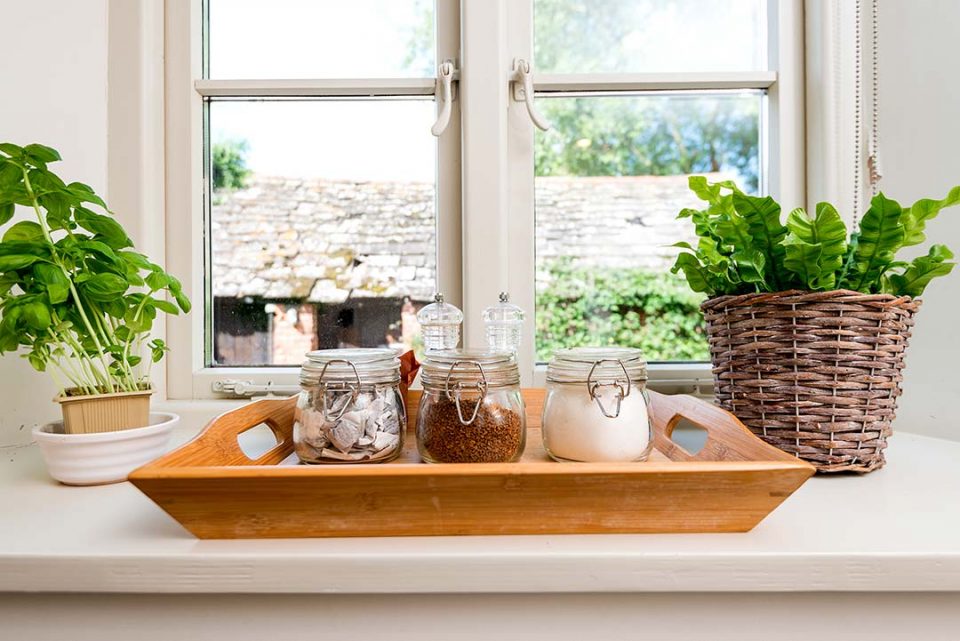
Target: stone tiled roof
(326, 240)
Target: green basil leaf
(104, 287)
(6, 212)
(165, 306)
(25, 230)
(157, 281)
(36, 315)
(10, 174)
(104, 226)
(12, 150)
(86, 194)
(13, 262)
(42, 153)
(54, 280)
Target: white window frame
(187, 373)
(485, 207)
(498, 170)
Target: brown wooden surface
(215, 491)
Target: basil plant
(74, 295)
(744, 245)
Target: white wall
(920, 147)
(53, 90)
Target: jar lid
(597, 364)
(352, 365)
(469, 367)
(503, 313)
(439, 313)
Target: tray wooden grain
(215, 491)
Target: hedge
(656, 311)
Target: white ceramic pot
(103, 457)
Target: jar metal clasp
(622, 392)
(324, 387)
(481, 387)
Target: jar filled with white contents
(596, 408)
(350, 408)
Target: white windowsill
(891, 530)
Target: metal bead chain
(858, 111)
(874, 158)
(873, 155)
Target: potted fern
(808, 325)
(75, 297)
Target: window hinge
(249, 389)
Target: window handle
(444, 94)
(522, 80)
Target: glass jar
(503, 323)
(350, 409)
(471, 410)
(440, 325)
(597, 405)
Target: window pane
(322, 226)
(611, 177)
(321, 38)
(582, 36)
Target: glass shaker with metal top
(440, 324)
(503, 323)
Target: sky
(390, 139)
(342, 139)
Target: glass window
(301, 39)
(321, 214)
(634, 36)
(611, 176)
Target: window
(324, 213)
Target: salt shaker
(440, 323)
(502, 323)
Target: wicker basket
(816, 374)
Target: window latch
(444, 93)
(248, 389)
(522, 80)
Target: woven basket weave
(816, 374)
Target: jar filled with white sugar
(597, 405)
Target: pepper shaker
(503, 323)
(440, 323)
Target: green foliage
(743, 246)
(229, 164)
(73, 293)
(610, 306)
(621, 136)
(660, 136)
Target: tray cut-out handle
(727, 438)
(218, 443)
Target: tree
(627, 136)
(229, 164)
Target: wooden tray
(215, 491)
